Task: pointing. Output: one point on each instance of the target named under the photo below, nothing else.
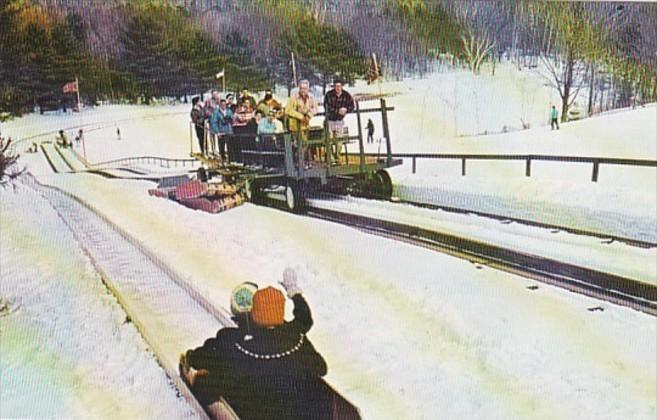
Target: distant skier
(118, 133)
(554, 117)
(370, 131)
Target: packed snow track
(168, 313)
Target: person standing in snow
(554, 117)
(370, 131)
(265, 373)
(78, 138)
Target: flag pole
(84, 144)
(376, 71)
(77, 91)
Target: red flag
(70, 87)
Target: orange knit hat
(268, 307)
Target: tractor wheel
(382, 184)
(252, 191)
(294, 198)
(202, 174)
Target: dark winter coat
(264, 373)
(370, 127)
(333, 103)
(198, 117)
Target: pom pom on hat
(268, 307)
(241, 298)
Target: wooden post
(528, 167)
(361, 147)
(462, 166)
(596, 169)
(414, 164)
(301, 151)
(191, 139)
(327, 146)
(386, 130)
(289, 155)
(84, 149)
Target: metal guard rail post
(595, 161)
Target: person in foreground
(265, 368)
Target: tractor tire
(294, 197)
(252, 191)
(382, 184)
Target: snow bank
(67, 348)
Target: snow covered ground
(628, 211)
(409, 333)
(408, 340)
(67, 350)
(585, 251)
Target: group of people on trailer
(221, 122)
(264, 367)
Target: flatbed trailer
(275, 166)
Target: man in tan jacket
(300, 109)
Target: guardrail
(595, 161)
(162, 162)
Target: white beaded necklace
(272, 356)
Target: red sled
(202, 204)
(162, 192)
(192, 189)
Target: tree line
(140, 49)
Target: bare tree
(8, 159)
(479, 22)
